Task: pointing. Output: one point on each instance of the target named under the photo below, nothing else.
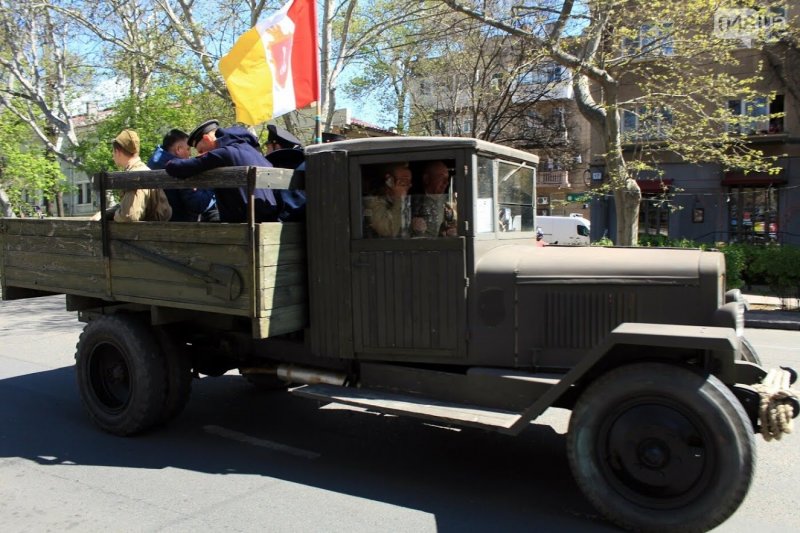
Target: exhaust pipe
(310, 376)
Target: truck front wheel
(121, 374)
(657, 447)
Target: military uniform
(142, 204)
(387, 217)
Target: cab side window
(409, 200)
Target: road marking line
(255, 441)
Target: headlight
(731, 315)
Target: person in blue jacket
(227, 147)
(188, 205)
(284, 150)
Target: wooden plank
(147, 271)
(281, 320)
(187, 305)
(36, 262)
(187, 253)
(51, 227)
(282, 254)
(282, 296)
(218, 178)
(275, 276)
(184, 232)
(61, 282)
(171, 294)
(278, 233)
(65, 246)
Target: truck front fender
(719, 347)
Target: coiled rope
(775, 412)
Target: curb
(772, 320)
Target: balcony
(553, 178)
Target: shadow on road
(469, 480)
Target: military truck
(478, 327)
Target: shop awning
(755, 179)
(654, 186)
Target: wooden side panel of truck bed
(217, 268)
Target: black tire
(178, 366)
(121, 374)
(658, 447)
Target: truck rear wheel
(178, 366)
(121, 374)
(657, 447)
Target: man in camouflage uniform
(428, 210)
(389, 214)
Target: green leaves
(26, 171)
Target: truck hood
(637, 266)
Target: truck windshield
(505, 196)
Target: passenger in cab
(430, 209)
(388, 212)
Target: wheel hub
(655, 452)
(109, 378)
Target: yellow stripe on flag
(249, 79)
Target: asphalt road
(241, 460)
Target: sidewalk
(766, 313)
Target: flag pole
(318, 125)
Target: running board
(416, 406)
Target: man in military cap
(228, 147)
(279, 139)
(328, 137)
(188, 205)
(137, 204)
(284, 150)
(429, 208)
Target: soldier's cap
(128, 140)
(328, 137)
(202, 129)
(282, 137)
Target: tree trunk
(627, 194)
(5, 205)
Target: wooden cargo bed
(248, 270)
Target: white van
(571, 231)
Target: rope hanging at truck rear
(775, 412)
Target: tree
(665, 48)
(39, 74)
(25, 173)
(164, 107)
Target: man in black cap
(284, 150)
(228, 147)
(278, 138)
(328, 137)
(188, 205)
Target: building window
(646, 123)
(84, 193)
(651, 40)
(753, 214)
(654, 215)
(757, 115)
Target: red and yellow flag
(272, 69)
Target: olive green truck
(477, 327)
